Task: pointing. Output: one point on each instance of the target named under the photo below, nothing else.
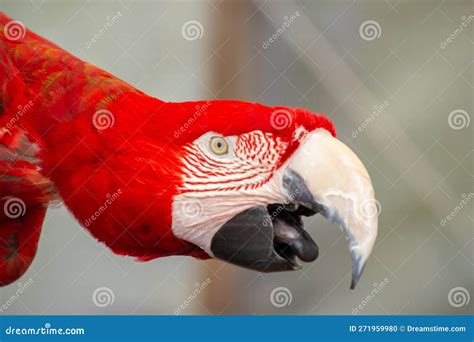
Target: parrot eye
(219, 146)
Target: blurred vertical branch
(230, 69)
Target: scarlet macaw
(148, 178)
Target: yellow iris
(219, 146)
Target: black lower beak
(262, 242)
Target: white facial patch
(218, 187)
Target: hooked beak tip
(336, 184)
(355, 280)
(358, 265)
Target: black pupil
(219, 144)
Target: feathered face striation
(223, 176)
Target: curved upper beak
(322, 176)
(326, 176)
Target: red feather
(135, 162)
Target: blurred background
(395, 76)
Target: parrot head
(229, 180)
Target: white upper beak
(341, 187)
